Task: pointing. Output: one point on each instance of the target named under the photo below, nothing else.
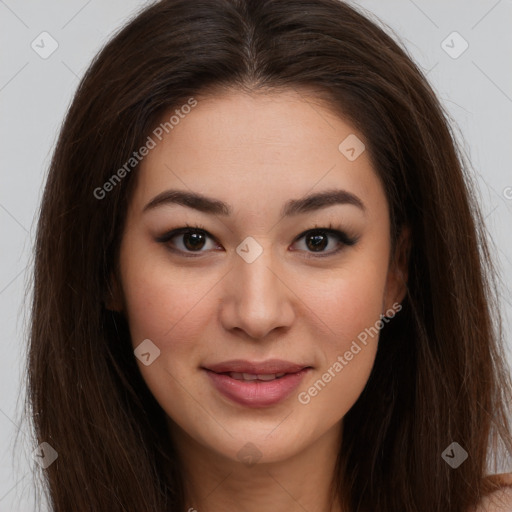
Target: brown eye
(193, 241)
(320, 239)
(317, 241)
(189, 240)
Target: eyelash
(343, 238)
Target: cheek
(348, 300)
(348, 305)
(163, 301)
(164, 304)
(345, 351)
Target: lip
(268, 366)
(257, 393)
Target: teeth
(250, 376)
(267, 377)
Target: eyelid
(330, 229)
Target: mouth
(265, 377)
(256, 384)
(268, 367)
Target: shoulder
(498, 496)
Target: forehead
(256, 147)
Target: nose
(257, 297)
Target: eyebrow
(309, 203)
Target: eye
(192, 239)
(318, 239)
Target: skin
(256, 152)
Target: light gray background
(35, 93)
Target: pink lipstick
(256, 384)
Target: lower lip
(257, 393)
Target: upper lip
(270, 366)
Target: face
(267, 283)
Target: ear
(396, 283)
(114, 299)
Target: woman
(261, 278)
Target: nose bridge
(259, 298)
(258, 281)
(258, 284)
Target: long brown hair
(439, 375)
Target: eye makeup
(342, 238)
